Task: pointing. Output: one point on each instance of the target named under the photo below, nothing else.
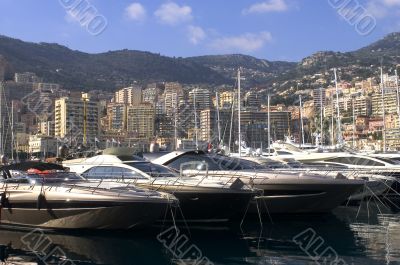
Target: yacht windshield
(390, 161)
(359, 161)
(215, 162)
(46, 177)
(154, 170)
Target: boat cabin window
(272, 164)
(212, 164)
(390, 161)
(104, 172)
(395, 160)
(359, 161)
(295, 164)
(325, 165)
(283, 153)
(231, 163)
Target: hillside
(257, 71)
(79, 70)
(83, 71)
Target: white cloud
(248, 42)
(171, 13)
(196, 34)
(391, 2)
(376, 9)
(136, 11)
(70, 17)
(382, 8)
(267, 6)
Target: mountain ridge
(77, 70)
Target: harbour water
(349, 235)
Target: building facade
(117, 116)
(140, 121)
(77, 118)
(43, 146)
(129, 95)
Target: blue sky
(269, 29)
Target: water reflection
(357, 235)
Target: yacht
(378, 164)
(344, 157)
(200, 199)
(40, 195)
(283, 192)
(375, 184)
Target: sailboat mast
(332, 126)
(12, 130)
(301, 121)
(218, 124)
(239, 118)
(321, 117)
(1, 119)
(175, 131)
(195, 119)
(231, 126)
(269, 125)
(354, 124)
(398, 96)
(383, 112)
(338, 122)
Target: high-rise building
(252, 100)
(201, 97)
(255, 124)
(47, 128)
(117, 115)
(362, 106)
(5, 128)
(173, 94)
(254, 127)
(167, 114)
(140, 121)
(26, 77)
(129, 95)
(226, 99)
(172, 86)
(151, 93)
(319, 99)
(77, 118)
(390, 101)
(209, 125)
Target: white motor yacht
(201, 199)
(283, 192)
(46, 197)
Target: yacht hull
(124, 216)
(199, 204)
(289, 197)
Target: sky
(269, 29)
